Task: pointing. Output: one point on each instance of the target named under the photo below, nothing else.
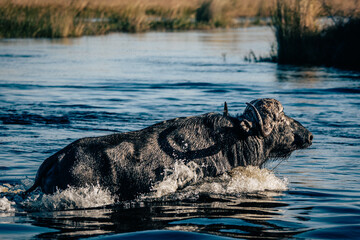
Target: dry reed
(71, 18)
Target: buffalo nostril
(311, 137)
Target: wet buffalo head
(266, 119)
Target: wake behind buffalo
(129, 163)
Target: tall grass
(48, 19)
(69, 18)
(296, 30)
(301, 39)
(51, 21)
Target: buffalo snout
(303, 138)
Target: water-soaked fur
(129, 163)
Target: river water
(53, 92)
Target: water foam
(185, 181)
(90, 196)
(6, 205)
(8, 197)
(176, 178)
(71, 198)
(254, 179)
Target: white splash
(6, 205)
(240, 180)
(9, 195)
(252, 179)
(177, 177)
(183, 181)
(70, 198)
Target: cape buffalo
(129, 163)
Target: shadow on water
(250, 216)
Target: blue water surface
(53, 92)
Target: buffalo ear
(246, 126)
(226, 111)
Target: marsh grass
(302, 40)
(71, 18)
(22, 21)
(46, 20)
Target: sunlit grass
(71, 18)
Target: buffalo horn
(260, 121)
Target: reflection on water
(246, 216)
(52, 93)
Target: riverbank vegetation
(71, 18)
(310, 32)
(315, 32)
